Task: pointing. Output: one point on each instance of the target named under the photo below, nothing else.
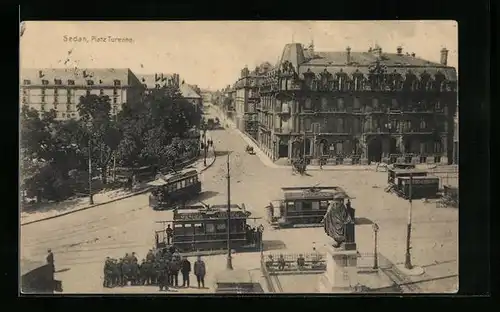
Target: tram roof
(312, 193)
(401, 170)
(200, 212)
(171, 177)
(420, 177)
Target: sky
(211, 54)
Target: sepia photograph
(238, 157)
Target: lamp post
(408, 264)
(205, 148)
(229, 263)
(375, 251)
(91, 198)
(274, 149)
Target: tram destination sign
(204, 216)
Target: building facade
(60, 89)
(151, 82)
(358, 107)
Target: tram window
(198, 228)
(210, 227)
(298, 206)
(221, 227)
(306, 205)
(323, 204)
(291, 206)
(315, 205)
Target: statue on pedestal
(339, 223)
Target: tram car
(394, 173)
(38, 278)
(172, 189)
(200, 227)
(303, 206)
(421, 187)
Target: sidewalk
(269, 163)
(55, 210)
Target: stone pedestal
(341, 274)
(347, 161)
(430, 160)
(364, 161)
(415, 160)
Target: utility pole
(408, 264)
(229, 258)
(375, 249)
(91, 198)
(205, 147)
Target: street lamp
(375, 252)
(89, 127)
(408, 264)
(274, 149)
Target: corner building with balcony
(358, 107)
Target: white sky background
(212, 53)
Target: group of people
(160, 267)
(254, 235)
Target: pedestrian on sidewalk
(200, 271)
(170, 233)
(185, 270)
(50, 259)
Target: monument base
(341, 274)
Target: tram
(421, 187)
(171, 189)
(303, 206)
(204, 227)
(394, 173)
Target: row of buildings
(349, 107)
(45, 89)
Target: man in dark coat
(185, 270)
(162, 275)
(200, 271)
(170, 233)
(50, 259)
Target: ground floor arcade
(362, 149)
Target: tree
(100, 129)
(149, 127)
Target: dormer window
(117, 83)
(45, 82)
(71, 82)
(90, 82)
(26, 82)
(58, 82)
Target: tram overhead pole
(229, 264)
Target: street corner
(413, 271)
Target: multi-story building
(191, 94)
(158, 80)
(60, 89)
(356, 107)
(455, 139)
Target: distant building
(60, 89)
(357, 107)
(189, 93)
(158, 80)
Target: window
(315, 205)
(423, 124)
(323, 204)
(340, 125)
(43, 99)
(68, 108)
(307, 124)
(117, 82)
(198, 228)
(25, 92)
(438, 105)
(26, 82)
(42, 91)
(115, 100)
(356, 104)
(324, 104)
(221, 227)
(58, 82)
(56, 92)
(375, 104)
(291, 206)
(71, 82)
(394, 104)
(308, 103)
(87, 92)
(210, 228)
(68, 92)
(101, 92)
(45, 82)
(115, 91)
(42, 108)
(68, 99)
(56, 100)
(63, 115)
(340, 103)
(90, 82)
(25, 100)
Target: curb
(110, 201)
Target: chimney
(444, 56)
(400, 50)
(348, 50)
(413, 54)
(40, 73)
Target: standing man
(50, 259)
(170, 233)
(200, 271)
(185, 270)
